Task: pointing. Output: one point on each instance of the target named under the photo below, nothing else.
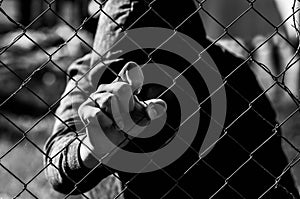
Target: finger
(132, 74)
(101, 100)
(143, 114)
(116, 112)
(149, 110)
(109, 103)
(156, 108)
(88, 112)
(123, 92)
(128, 83)
(97, 71)
(139, 115)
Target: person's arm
(64, 166)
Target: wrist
(87, 156)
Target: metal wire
(278, 80)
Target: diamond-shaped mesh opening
(18, 175)
(8, 9)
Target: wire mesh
(277, 87)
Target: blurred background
(39, 40)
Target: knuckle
(110, 98)
(105, 100)
(101, 88)
(82, 112)
(83, 106)
(123, 89)
(80, 109)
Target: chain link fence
(34, 61)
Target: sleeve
(64, 167)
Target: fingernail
(121, 125)
(152, 113)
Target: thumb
(156, 108)
(133, 75)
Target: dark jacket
(245, 163)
